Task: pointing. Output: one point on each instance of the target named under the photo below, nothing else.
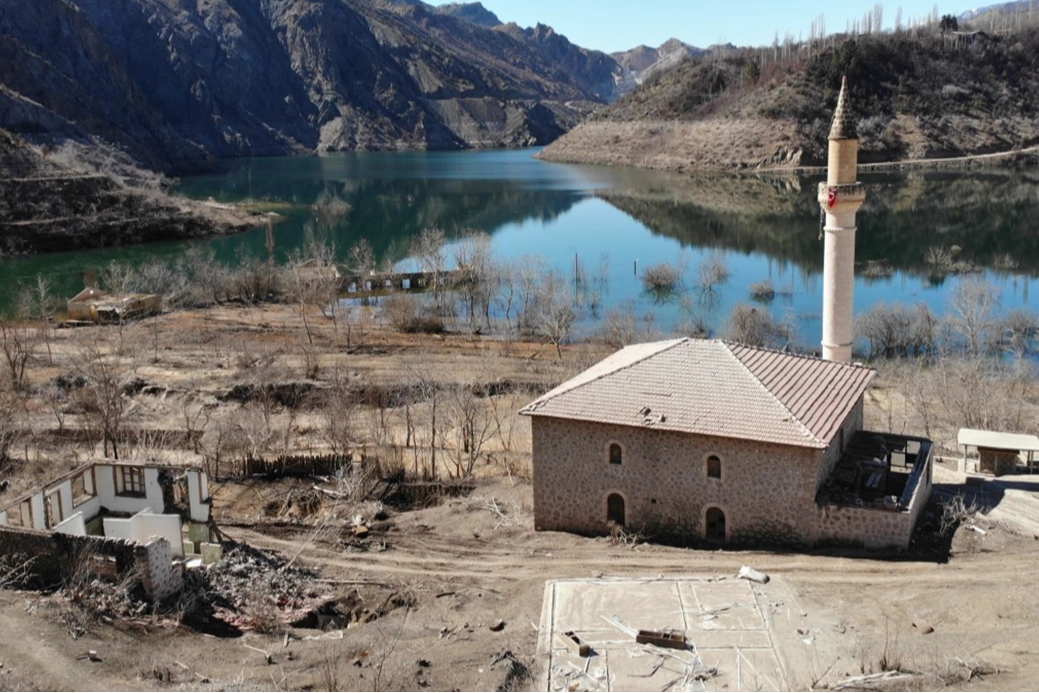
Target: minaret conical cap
(843, 127)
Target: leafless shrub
(1005, 262)
(662, 277)
(896, 330)
(620, 326)
(712, 272)
(762, 291)
(756, 327)
(939, 257)
(1017, 330)
(329, 209)
(875, 269)
(980, 392)
(623, 536)
(956, 511)
(261, 609)
(408, 314)
(15, 571)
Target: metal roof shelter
(1005, 443)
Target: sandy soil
(467, 564)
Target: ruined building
(116, 517)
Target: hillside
(916, 97)
(80, 196)
(178, 84)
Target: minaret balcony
(838, 199)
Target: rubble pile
(257, 590)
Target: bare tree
(428, 250)
(478, 277)
(105, 398)
(362, 257)
(555, 311)
(18, 343)
(972, 313)
(471, 420)
(338, 408)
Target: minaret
(840, 197)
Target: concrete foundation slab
(731, 643)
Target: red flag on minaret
(831, 196)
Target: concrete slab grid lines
(724, 620)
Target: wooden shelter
(998, 453)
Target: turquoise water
(622, 221)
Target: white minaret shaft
(840, 197)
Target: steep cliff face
(594, 71)
(178, 82)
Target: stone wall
(160, 576)
(872, 528)
(767, 492)
(54, 557)
(876, 528)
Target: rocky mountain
(917, 95)
(643, 61)
(472, 12)
(594, 71)
(176, 83)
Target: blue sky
(614, 25)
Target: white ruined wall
(148, 525)
(198, 496)
(39, 512)
(72, 525)
(116, 528)
(115, 502)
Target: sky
(617, 25)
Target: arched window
(616, 453)
(715, 521)
(714, 467)
(615, 509)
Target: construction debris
(748, 573)
(662, 638)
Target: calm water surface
(618, 220)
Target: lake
(617, 222)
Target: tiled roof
(843, 127)
(711, 387)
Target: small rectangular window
(616, 454)
(129, 481)
(714, 467)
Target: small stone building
(707, 440)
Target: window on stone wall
(616, 454)
(714, 467)
(129, 481)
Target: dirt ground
(451, 595)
